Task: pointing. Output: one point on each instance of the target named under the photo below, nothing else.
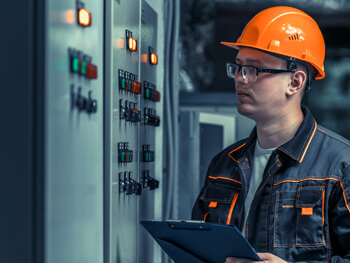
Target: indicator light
(124, 154)
(123, 83)
(84, 17)
(150, 91)
(148, 156)
(74, 64)
(132, 42)
(82, 67)
(91, 71)
(153, 59)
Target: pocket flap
(219, 193)
(309, 196)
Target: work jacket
(301, 210)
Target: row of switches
(128, 185)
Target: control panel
(135, 123)
(74, 135)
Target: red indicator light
(84, 17)
(91, 71)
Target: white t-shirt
(261, 156)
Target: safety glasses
(249, 73)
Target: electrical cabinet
(74, 131)
(133, 129)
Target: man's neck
(274, 133)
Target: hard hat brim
(320, 72)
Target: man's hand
(266, 257)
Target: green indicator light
(129, 156)
(152, 95)
(123, 83)
(147, 156)
(123, 157)
(130, 84)
(75, 64)
(147, 93)
(83, 68)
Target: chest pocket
(299, 218)
(220, 200)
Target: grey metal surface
(73, 138)
(126, 241)
(123, 208)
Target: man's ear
(297, 82)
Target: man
(287, 186)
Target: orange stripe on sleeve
(225, 178)
(231, 209)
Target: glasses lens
(249, 74)
(232, 70)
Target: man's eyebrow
(250, 61)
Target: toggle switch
(81, 101)
(91, 104)
(150, 117)
(122, 184)
(149, 181)
(131, 186)
(129, 111)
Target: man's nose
(240, 78)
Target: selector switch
(149, 181)
(91, 104)
(150, 117)
(81, 101)
(129, 111)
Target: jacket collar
(296, 148)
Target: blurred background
(205, 23)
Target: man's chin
(245, 111)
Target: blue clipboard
(199, 242)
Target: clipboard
(199, 242)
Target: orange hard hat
(285, 31)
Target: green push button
(75, 65)
(123, 83)
(83, 68)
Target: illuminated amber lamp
(153, 59)
(132, 44)
(84, 17)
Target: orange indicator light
(153, 59)
(132, 44)
(84, 17)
